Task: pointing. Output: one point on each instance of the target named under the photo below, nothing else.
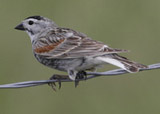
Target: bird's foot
(80, 75)
(58, 78)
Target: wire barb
(90, 75)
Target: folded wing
(73, 46)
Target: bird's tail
(122, 62)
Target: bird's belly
(78, 64)
(90, 63)
(60, 64)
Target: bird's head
(34, 25)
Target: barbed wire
(90, 75)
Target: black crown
(35, 17)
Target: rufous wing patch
(48, 48)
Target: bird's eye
(30, 22)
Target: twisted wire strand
(90, 75)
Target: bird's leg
(58, 78)
(80, 75)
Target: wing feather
(75, 46)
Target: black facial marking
(31, 32)
(35, 17)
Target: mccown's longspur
(67, 50)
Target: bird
(71, 51)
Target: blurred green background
(124, 24)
